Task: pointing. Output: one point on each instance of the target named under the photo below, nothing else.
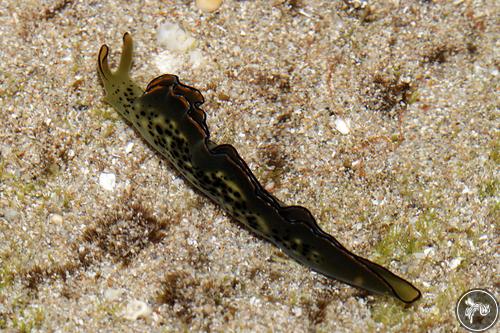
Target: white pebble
(171, 36)
(297, 311)
(342, 126)
(429, 251)
(270, 186)
(455, 262)
(466, 190)
(419, 255)
(107, 181)
(55, 219)
(112, 294)
(137, 309)
(128, 147)
(10, 214)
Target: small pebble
(10, 214)
(137, 309)
(129, 147)
(429, 251)
(208, 6)
(107, 181)
(419, 255)
(112, 294)
(297, 311)
(55, 219)
(455, 262)
(342, 126)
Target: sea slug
(169, 117)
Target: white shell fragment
(137, 309)
(342, 126)
(179, 49)
(174, 38)
(107, 181)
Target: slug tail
(401, 289)
(332, 259)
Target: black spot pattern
(126, 97)
(165, 135)
(168, 140)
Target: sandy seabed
(380, 117)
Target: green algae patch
(390, 313)
(489, 188)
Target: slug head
(121, 91)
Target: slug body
(169, 117)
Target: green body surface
(168, 116)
